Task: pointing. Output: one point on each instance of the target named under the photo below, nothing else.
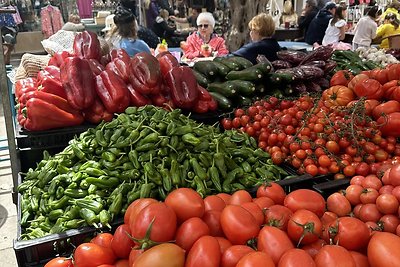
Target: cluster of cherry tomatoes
(318, 139)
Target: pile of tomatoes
(273, 229)
(317, 137)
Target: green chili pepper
(61, 169)
(246, 166)
(89, 216)
(131, 110)
(161, 193)
(105, 218)
(181, 130)
(50, 174)
(91, 204)
(170, 128)
(166, 179)
(190, 139)
(151, 138)
(108, 156)
(203, 160)
(103, 181)
(232, 175)
(200, 187)
(133, 157)
(116, 206)
(94, 172)
(176, 180)
(59, 192)
(75, 193)
(198, 170)
(74, 223)
(72, 213)
(145, 190)
(128, 175)
(25, 218)
(55, 214)
(99, 135)
(59, 204)
(78, 151)
(147, 156)
(230, 163)
(214, 176)
(152, 173)
(174, 141)
(133, 195)
(220, 164)
(146, 147)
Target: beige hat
(109, 23)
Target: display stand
(8, 117)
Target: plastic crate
(50, 138)
(37, 252)
(329, 187)
(29, 157)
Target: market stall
(212, 157)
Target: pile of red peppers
(89, 86)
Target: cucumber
(264, 67)
(207, 68)
(230, 64)
(200, 78)
(250, 74)
(279, 78)
(244, 88)
(223, 70)
(225, 89)
(243, 62)
(223, 102)
(244, 101)
(276, 92)
(260, 89)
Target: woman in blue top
(261, 27)
(126, 29)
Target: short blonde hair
(74, 18)
(206, 16)
(263, 24)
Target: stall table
(283, 34)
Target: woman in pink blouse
(203, 42)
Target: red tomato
(359, 259)
(274, 242)
(332, 256)
(278, 216)
(369, 213)
(383, 250)
(386, 189)
(338, 204)
(92, 255)
(341, 77)
(122, 244)
(390, 124)
(205, 252)
(305, 199)
(134, 208)
(369, 195)
(304, 227)
(103, 239)
(223, 243)
(350, 233)
(163, 255)
(213, 203)
(232, 255)
(372, 181)
(272, 190)
(328, 217)
(313, 248)
(394, 175)
(134, 254)
(264, 202)
(190, 231)
(213, 220)
(386, 108)
(60, 262)
(390, 223)
(387, 204)
(255, 210)
(234, 218)
(164, 223)
(370, 88)
(225, 197)
(353, 193)
(186, 203)
(296, 257)
(240, 197)
(256, 259)
(122, 263)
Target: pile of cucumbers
(234, 81)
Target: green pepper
(214, 176)
(204, 160)
(166, 179)
(128, 175)
(200, 187)
(146, 147)
(74, 224)
(31, 174)
(91, 204)
(89, 216)
(145, 190)
(105, 218)
(59, 192)
(53, 186)
(161, 193)
(55, 214)
(151, 138)
(164, 142)
(117, 133)
(108, 156)
(61, 169)
(162, 152)
(181, 130)
(190, 139)
(246, 166)
(50, 174)
(259, 153)
(127, 166)
(103, 181)
(152, 173)
(43, 205)
(77, 177)
(133, 157)
(94, 172)
(174, 141)
(170, 128)
(176, 180)
(232, 175)
(78, 151)
(72, 213)
(75, 193)
(230, 163)
(116, 206)
(133, 195)
(60, 203)
(148, 156)
(198, 170)
(131, 110)
(99, 135)
(220, 164)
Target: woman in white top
(366, 28)
(336, 28)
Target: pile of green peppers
(144, 152)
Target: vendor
(289, 17)
(261, 27)
(204, 42)
(390, 27)
(124, 34)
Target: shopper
(261, 27)
(365, 29)
(164, 31)
(308, 13)
(124, 34)
(336, 30)
(289, 17)
(316, 31)
(151, 10)
(74, 24)
(190, 19)
(394, 8)
(204, 42)
(390, 27)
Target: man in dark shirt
(316, 31)
(309, 12)
(191, 19)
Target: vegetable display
(144, 152)
(379, 56)
(350, 60)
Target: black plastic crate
(329, 187)
(50, 138)
(29, 157)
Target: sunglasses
(205, 26)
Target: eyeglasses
(205, 26)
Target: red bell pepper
(121, 54)
(158, 100)
(212, 105)
(42, 115)
(52, 71)
(105, 60)
(58, 58)
(51, 85)
(95, 66)
(79, 82)
(203, 93)
(24, 85)
(112, 91)
(145, 73)
(137, 99)
(97, 113)
(201, 106)
(183, 87)
(87, 45)
(119, 67)
(167, 62)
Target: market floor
(8, 211)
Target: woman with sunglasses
(204, 42)
(261, 27)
